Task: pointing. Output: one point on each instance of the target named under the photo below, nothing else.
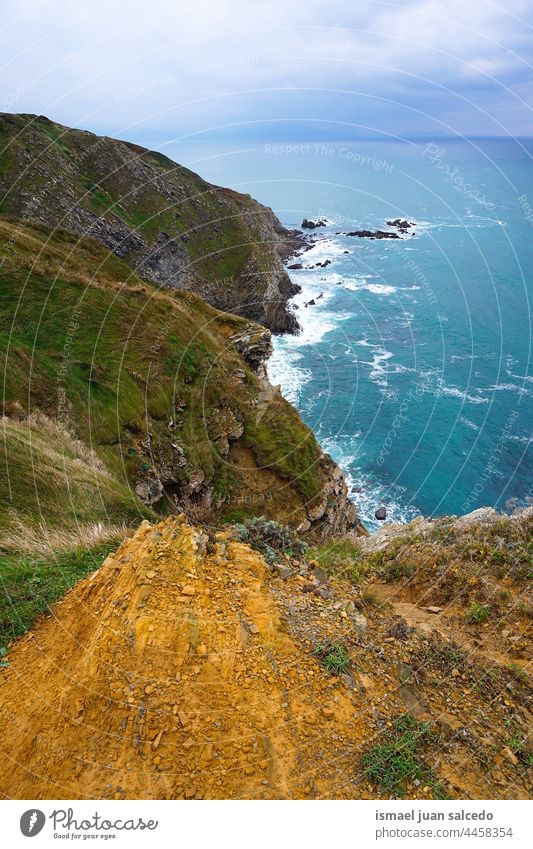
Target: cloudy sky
(271, 69)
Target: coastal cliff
(172, 227)
(169, 393)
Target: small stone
(320, 575)
(188, 589)
(327, 713)
(510, 755)
(201, 650)
(433, 609)
(360, 623)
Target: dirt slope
(166, 674)
(187, 668)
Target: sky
(271, 69)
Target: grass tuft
(398, 760)
(334, 657)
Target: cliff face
(170, 393)
(170, 226)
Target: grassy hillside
(153, 383)
(171, 226)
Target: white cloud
(182, 67)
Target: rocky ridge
(172, 228)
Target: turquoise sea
(414, 366)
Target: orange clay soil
(184, 668)
(167, 674)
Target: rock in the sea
(401, 225)
(372, 234)
(312, 223)
(380, 514)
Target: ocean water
(414, 366)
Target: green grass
(340, 558)
(280, 440)
(477, 613)
(51, 480)
(133, 355)
(334, 657)
(398, 759)
(30, 585)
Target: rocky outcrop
(313, 223)
(255, 345)
(173, 228)
(210, 709)
(372, 234)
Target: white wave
(326, 248)
(454, 392)
(507, 387)
(284, 372)
(380, 289)
(526, 377)
(377, 369)
(468, 423)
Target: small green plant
(371, 599)
(517, 671)
(334, 657)
(398, 760)
(3, 653)
(341, 558)
(477, 613)
(270, 538)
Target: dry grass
(46, 539)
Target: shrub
(270, 538)
(477, 613)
